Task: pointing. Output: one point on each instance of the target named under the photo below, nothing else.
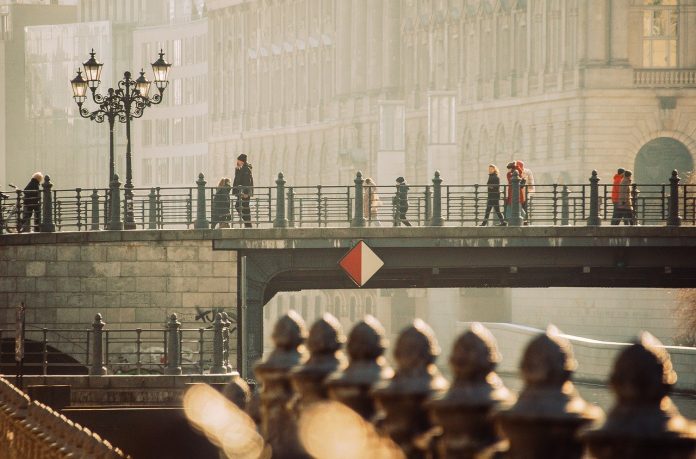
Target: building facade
(16, 166)
(171, 140)
(321, 88)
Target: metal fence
(32, 430)
(435, 204)
(124, 350)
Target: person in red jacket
(515, 166)
(618, 177)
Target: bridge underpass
(298, 259)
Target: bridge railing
(100, 350)
(315, 401)
(435, 204)
(32, 430)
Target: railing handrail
(200, 206)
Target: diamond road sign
(361, 263)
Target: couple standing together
(493, 184)
(242, 188)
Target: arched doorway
(658, 158)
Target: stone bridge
(136, 278)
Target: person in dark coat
(221, 204)
(401, 201)
(243, 188)
(493, 202)
(625, 212)
(32, 203)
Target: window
(177, 52)
(177, 92)
(177, 132)
(162, 171)
(162, 132)
(147, 172)
(660, 28)
(147, 133)
(178, 170)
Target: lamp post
(125, 103)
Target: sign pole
(242, 325)
(19, 344)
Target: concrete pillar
(619, 32)
(598, 32)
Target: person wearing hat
(401, 201)
(243, 188)
(493, 202)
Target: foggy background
(319, 89)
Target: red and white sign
(361, 263)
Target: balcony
(664, 78)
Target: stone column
(465, 410)
(644, 423)
(366, 344)
(278, 425)
(405, 419)
(545, 420)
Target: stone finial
(416, 348)
(474, 355)
(644, 423)
(465, 410)
(402, 399)
(237, 391)
(324, 343)
(278, 423)
(548, 360)
(549, 412)
(289, 332)
(366, 346)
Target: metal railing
(32, 430)
(99, 350)
(433, 204)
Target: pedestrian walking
(401, 201)
(511, 167)
(626, 212)
(618, 177)
(243, 189)
(527, 178)
(371, 202)
(493, 201)
(32, 204)
(221, 212)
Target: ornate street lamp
(125, 103)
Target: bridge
(137, 278)
(159, 254)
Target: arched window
(317, 307)
(305, 308)
(337, 304)
(353, 309)
(501, 153)
(369, 306)
(517, 141)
